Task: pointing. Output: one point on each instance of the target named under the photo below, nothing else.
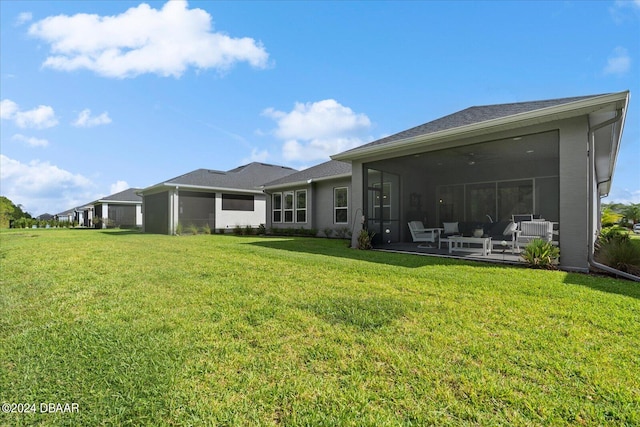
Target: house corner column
(174, 206)
(105, 215)
(357, 201)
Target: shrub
(365, 239)
(327, 232)
(248, 230)
(343, 233)
(621, 254)
(179, 228)
(206, 229)
(193, 229)
(237, 230)
(262, 230)
(609, 234)
(541, 254)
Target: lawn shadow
(120, 232)
(333, 248)
(605, 283)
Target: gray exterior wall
(320, 206)
(155, 212)
(574, 197)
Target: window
(288, 206)
(301, 206)
(237, 202)
(340, 205)
(276, 198)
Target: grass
(222, 330)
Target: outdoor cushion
(450, 227)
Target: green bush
(248, 231)
(365, 239)
(621, 254)
(237, 230)
(262, 230)
(206, 229)
(343, 233)
(179, 229)
(609, 234)
(193, 229)
(541, 254)
(327, 232)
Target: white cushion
(450, 227)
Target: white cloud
(118, 187)
(625, 196)
(144, 40)
(256, 156)
(31, 141)
(624, 10)
(314, 131)
(85, 120)
(40, 117)
(43, 187)
(23, 18)
(619, 62)
(8, 109)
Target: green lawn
(219, 330)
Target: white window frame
(285, 210)
(273, 207)
(336, 208)
(297, 209)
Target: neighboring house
(315, 198)
(123, 209)
(66, 216)
(552, 158)
(83, 215)
(221, 200)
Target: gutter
(591, 136)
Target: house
(315, 198)
(66, 216)
(83, 215)
(123, 209)
(553, 158)
(218, 199)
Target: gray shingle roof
(472, 115)
(323, 170)
(128, 195)
(247, 177)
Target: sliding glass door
(383, 210)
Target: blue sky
(99, 96)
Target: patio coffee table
(456, 244)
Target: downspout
(592, 162)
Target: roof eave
(528, 118)
(306, 181)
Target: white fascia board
(207, 188)
(604, 185)
(542, 115)
(118, 202)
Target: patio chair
(504, 234)
(421, 234)
(530, 230)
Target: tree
(7, 208)
(609, 217)
(631, 212)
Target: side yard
(161, 330)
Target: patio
(496, 256)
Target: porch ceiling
(539, 147)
